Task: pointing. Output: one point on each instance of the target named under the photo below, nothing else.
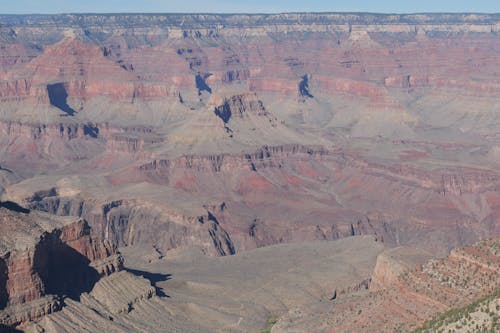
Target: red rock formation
(43, 255)
(285, 172)
(400, 107)
(395, 54)
(239, 131)
(407, 292)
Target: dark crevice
(211, 217)
(40, 195)
(220, 238)
(304, 87)
(5, 169)
(201, 84)
(8, 329)
(4, 294)
(91, 130)
(223, 112)
(106, 51)
(182, 51)
(14, 207)
(250, 162)
(108, 207)
(229, 245)
(58, 97)
(252, 230)
(154, 278)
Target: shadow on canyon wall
(14, 207)
(63, 270)
(154, 278)
(8, 329)
(58, 97)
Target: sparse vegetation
(461, 318)
(270, 323)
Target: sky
(246, 6)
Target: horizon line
(254, 13)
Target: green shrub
(270, 323)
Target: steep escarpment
(128, 139)
(237, 106)
(80, 58)
(227, 203)
(122, 222)
(202, 24)
(265, 157)
(30, 147)
(45, 258)
(349, 69)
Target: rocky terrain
(183, 130)
(45, 258)
(408, 297)
(222, 134)
(196, 293)
(480, 316)
(328, 286)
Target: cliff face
(358, 54)
(306, 126)
(157, 202)
(43, 258)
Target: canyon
(44, 258)
(205, 144)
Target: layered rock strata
(44, 258)
(418, 293)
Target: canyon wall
(45, 258)
(302, 126)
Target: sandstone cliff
(44, 258)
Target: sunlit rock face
(44, 258)
(200, 143)
(231, 132)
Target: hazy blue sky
(238, 6)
